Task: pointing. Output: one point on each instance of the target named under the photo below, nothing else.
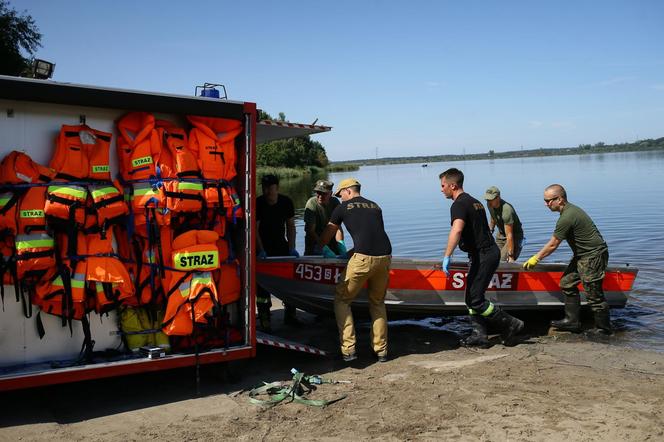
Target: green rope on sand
(301, 386)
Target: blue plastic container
(210, 93)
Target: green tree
(295, 153)
(17, 31)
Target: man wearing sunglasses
(588, 265)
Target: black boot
(290, 317)
(509, 325)
(263, 318)
(602, 323)
(572, 310)
(477, 336)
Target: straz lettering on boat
(326, 274)
(499, 281)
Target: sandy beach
(550, 387)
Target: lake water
(622, 192)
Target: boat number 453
(318, 273)
(499, 281)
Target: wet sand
(550, 387)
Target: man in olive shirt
(370, 264)
(503, 216)
(317, 214)
(588, 265)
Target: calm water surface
(622, 192)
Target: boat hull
(418, 289)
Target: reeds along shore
(286, 172)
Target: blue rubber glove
(262, 254)
(343, 251)
(293, 252)
(328, 253)
(446, 265)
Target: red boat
(418, 289)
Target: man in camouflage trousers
(588, 265)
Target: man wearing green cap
(317, 214)
(503, 216)
(369, 263)
(588, 265)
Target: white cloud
(535, 124)
(658, 87)
(432, 84)
(615, 80)
(562, 125)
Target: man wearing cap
(470, 231)
(317, 214)
(370, 264)
(275, 223)
(588, 265)
(510, 232)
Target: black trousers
(483, 264)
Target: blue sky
(397, 78)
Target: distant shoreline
(638, 146)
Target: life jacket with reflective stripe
(196, 250)
(67, 202)
(146, 268)
(192, 291)
(190, 299)
(107, 275)
(212, 141)
(108, 204)
(62, 295)
(35, 254)
(82, 153)
(18, 168)
(35, 247)
(177, 162)
(138, 146)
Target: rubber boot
(509, 326)
(571, 321)
(478, 337)
(264, 317)
(602, 323)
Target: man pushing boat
(588, 265)
(369, 263)
(470, 231)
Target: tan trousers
(375, 271)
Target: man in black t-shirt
(470, 231)
(369, 263)
(275, 222)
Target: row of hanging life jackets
(58, 223)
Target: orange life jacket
(82, 152)
(18, 168)
(212, 140)
(105, 272)
(192, 293)
(138, 146)
(63, 295)
(179, 168)
(229, 285)
(67, 202)
(108, 204)
(150, 281)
